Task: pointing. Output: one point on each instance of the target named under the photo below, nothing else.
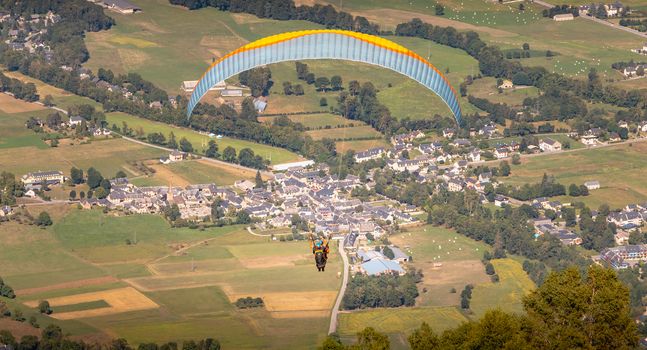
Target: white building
(592, 185)
(35, 178)
(550, 145)
(563, 17)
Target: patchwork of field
(172, 284)
(199, 141)
(620, 170)
(118, 300)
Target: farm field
(99, 285)
(344, 133)
(107, 156)
(619, 169)
(168, 44)
(399, 323)
(317, 120)
(486, 88)
(449, 260)
(507, 294)
(106, 242)
(201, 171)
(358, 146)
(13, 133)
(199, 141)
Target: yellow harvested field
(165, 174)
(66, 285)
(8, 104)
(290, 301)
(120, 300)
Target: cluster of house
(624, 256)
(612, 10)
(641, 51)
(634, 70)
(630, 217)
(323, 202)
(367, 260)
(228, 94)
(546, 226)
(121, 6)
(28, 32)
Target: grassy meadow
(619, 169)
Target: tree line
(386, 290)
(53, 337)
(284, 10)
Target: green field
(318, 120)
(81, 307)
(106, 242)
(399, 323)
(619, 169)
(13, 132)
(107, 156)
(199, 141)
(507, 294)
(486, 88)
(344, 133)
(358, 146)
(200, 173)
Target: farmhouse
(501, 152)
(563, 17)
(76, 120)
(189, 86)
(50, 177)
(507, 84)
(592, 185)
(634, 70)
(121, 6)
(176, 156)
(549, 145)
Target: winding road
(342, 290)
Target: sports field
(620, 170)
(199, 141)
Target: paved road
(342, 291)
(601, 21)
